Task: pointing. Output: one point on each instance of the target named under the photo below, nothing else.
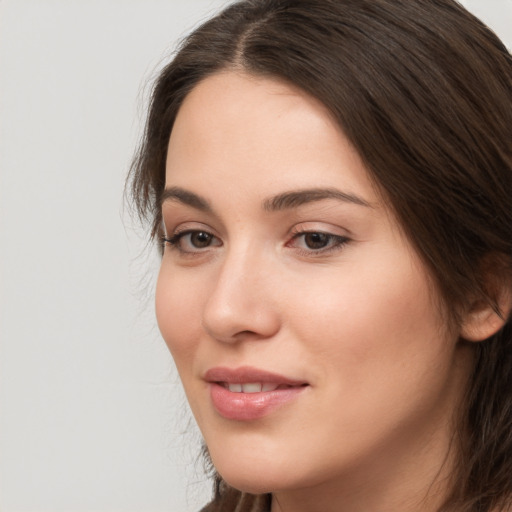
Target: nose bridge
(242, 301)
(241, 262)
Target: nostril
(246, 333)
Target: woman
(331, 180)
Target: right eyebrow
(183, 196)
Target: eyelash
(175, 241)
(334, 242)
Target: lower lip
(250, 406)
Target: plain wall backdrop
(92, 416)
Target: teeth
(252, 387)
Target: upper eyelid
(186, 226)
(335, 239)
(318, 231)
(331, 235)
(294, 231)
(299, 228)
(320, 227)
(319, 198)
(188, 231)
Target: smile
(254, 387)
(248, 394)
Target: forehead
(259, 134)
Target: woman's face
(310, 341)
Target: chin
(256, 482)
(248, 483)
(259, 476)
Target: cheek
(177, 304)
(374, 321)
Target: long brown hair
(423, 90)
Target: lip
(250, 406)
(248, 374)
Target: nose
(243, 303)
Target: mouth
(246, 394)
(247, 379)
(255, 387)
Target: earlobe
(485, 318)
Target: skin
(359, 320)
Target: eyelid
(337, 241)
(171, 227)
(174, 241)
(319, 227)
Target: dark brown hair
(423, 90)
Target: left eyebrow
(293, 199)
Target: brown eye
(192, 241)
(200, 239)
(316, 240)
(317, 243)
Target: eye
(317, 242)
(198, 239)
(191, 241)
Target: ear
(482, 322)
(486, 317)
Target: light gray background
(92, 417)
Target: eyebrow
(293, 199)
(284, 201)
(186, 197)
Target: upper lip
(245, 374)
